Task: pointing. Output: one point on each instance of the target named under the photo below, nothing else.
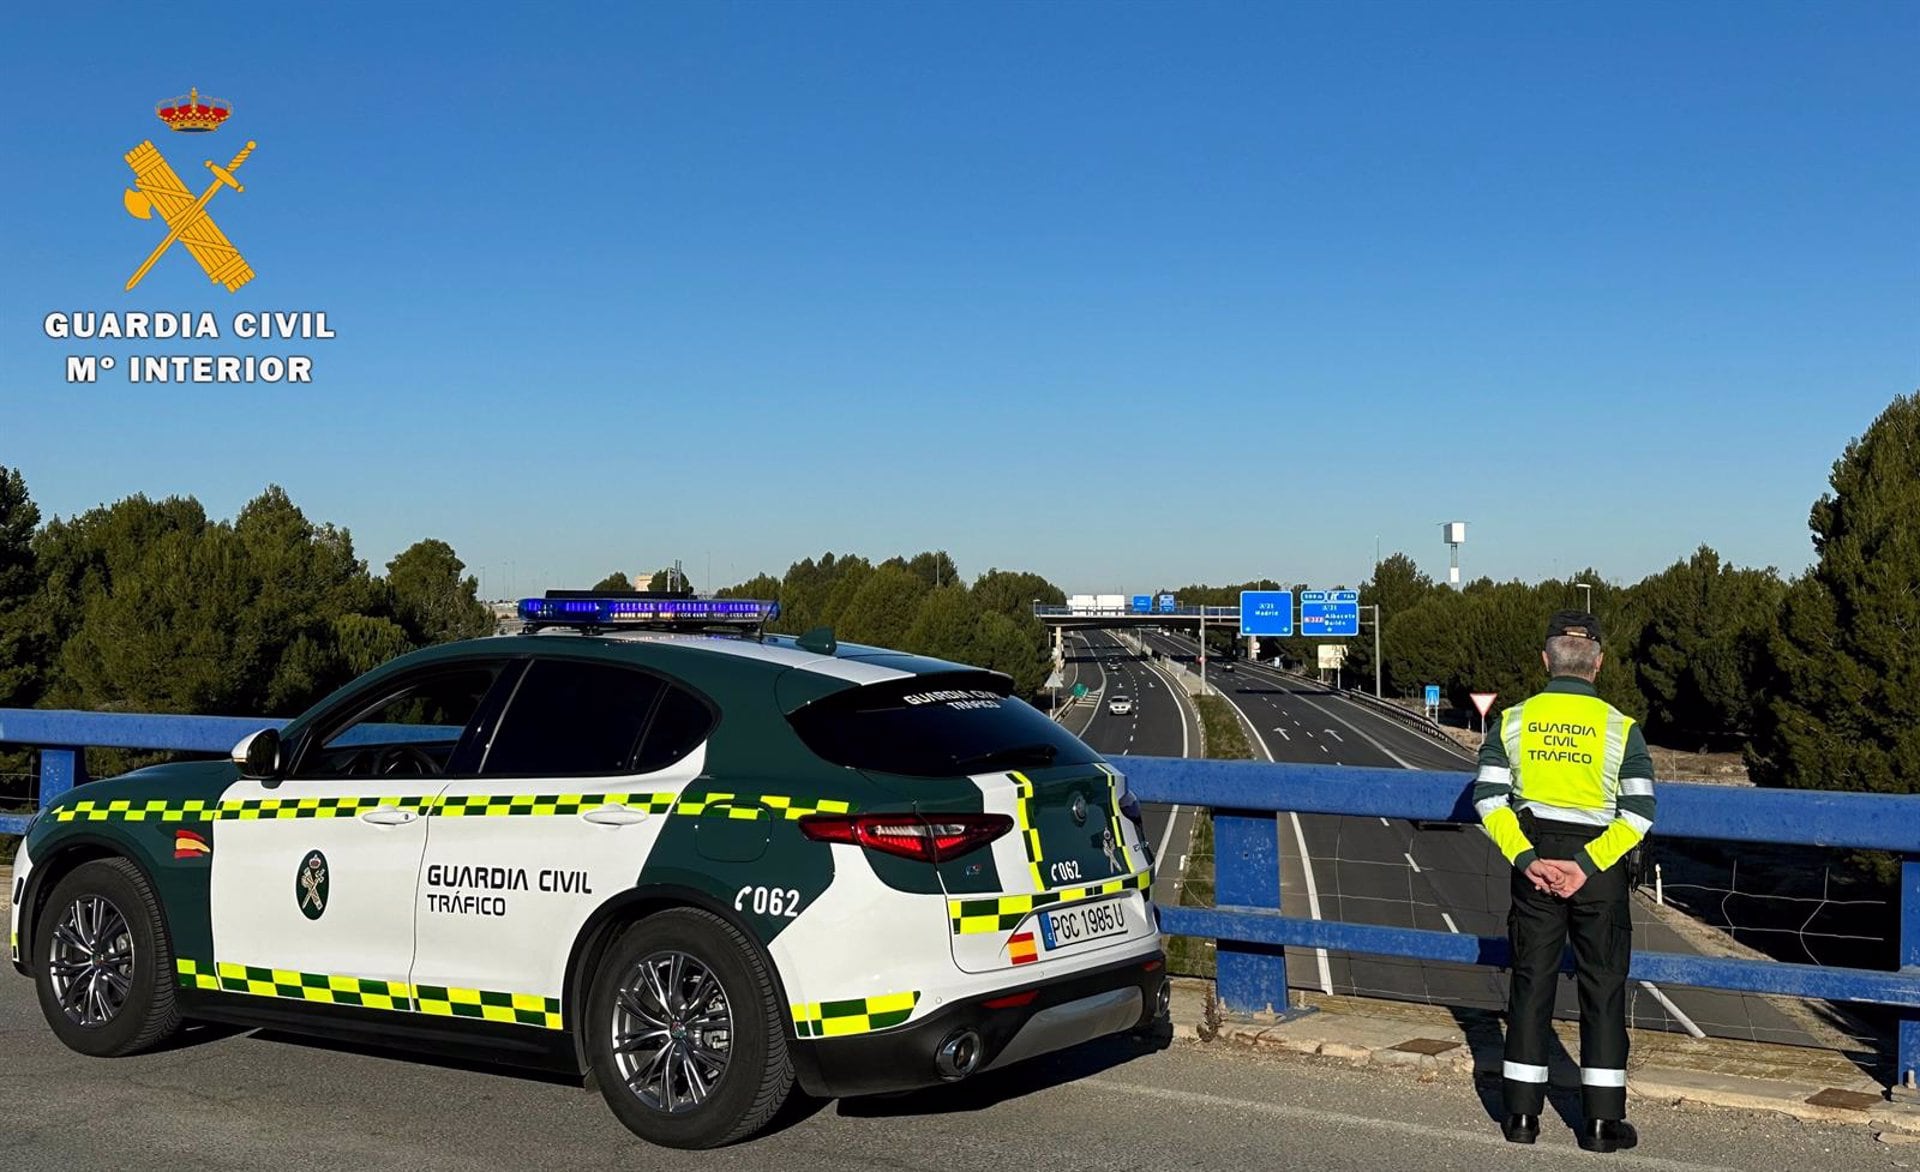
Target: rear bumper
(1064, 1012)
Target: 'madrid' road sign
(1266, 612)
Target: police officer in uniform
(1565, 790)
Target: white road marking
(1306, 860)
(1451, 926)
(1386, 823)
(1336, 736)
(1283, 732)
(1324, 749)
(1410, 862)
(1166, 837)
(1686, 1023)
(1448, 1137)
(1310, 733)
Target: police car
(642, 841)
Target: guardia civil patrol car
(642, 840)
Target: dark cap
(1576, 623)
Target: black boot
(1608, 1135)
(1521, 1129)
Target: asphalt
(1394, 873)
(246, 1101)
(1162, 723)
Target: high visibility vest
(1565, 751)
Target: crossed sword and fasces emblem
(310, 877)
(157, 186)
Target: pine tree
(1843, 705)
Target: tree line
(151, 606)
(1815, 678)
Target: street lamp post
(1586, 596)
(1377, 693)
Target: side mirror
(259, 755)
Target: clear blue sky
(1127, 295)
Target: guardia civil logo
(157, 185)
(310, 885)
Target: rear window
(936, 726)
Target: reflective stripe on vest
(1565, 750)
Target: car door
(313, 874)
(575, 785)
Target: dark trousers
(1600, 922)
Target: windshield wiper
(1038, 753)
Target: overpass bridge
(1077, 618)
(234, 1100)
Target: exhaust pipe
(958, 1056)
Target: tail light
(933, 838)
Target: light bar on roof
(615, 611)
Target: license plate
(1065, 927)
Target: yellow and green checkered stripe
(527, 1009)
(331, 989)
(1029, 833)
(1115, 816)
(1004, 913)
(858, 1015)
(739, 806)
(543, 805)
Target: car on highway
(643, 841)
(1120, 705)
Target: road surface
(243, 1102)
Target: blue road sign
(1266, 612)
(1142, 603)
(1433, 695)
(1330, 614)
(1166, 604)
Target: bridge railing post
(1906, 1070)
(1249, 978)
(60, 770)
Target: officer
(1565, 790)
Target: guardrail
(1247, 923)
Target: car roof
(721, 665)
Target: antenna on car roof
(818, 640)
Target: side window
(678, 727)
(573, 718)
(407, 730)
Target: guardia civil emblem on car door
(310, 885)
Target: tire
(112, 898)
(756, 1076)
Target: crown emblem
(193, 113)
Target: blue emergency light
(642, 611)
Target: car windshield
(939, 725)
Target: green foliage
(1013, 592)
(1702, 651)
(22, 640)
(1226, 736)
(434, 599)
(882, 607)
(617, 580)
(659, 581)
(1843, 705)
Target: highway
(1161, 724)
(219, 1101)
(1390, 872)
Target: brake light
(929, 839)
(1011, 1000)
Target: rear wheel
(103, 966)
(685, 1034)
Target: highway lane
(1159, 725)
(1390, 872)
(225, 1102)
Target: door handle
(614, 815)
(388, 816)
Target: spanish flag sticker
(190, 844)
(1022, 949)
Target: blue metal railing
(1246, 921)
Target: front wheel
(685, 1032)
(102, 963)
